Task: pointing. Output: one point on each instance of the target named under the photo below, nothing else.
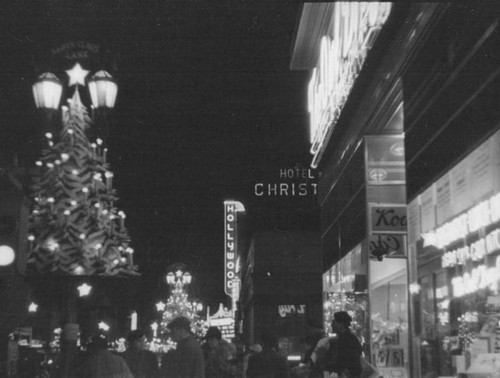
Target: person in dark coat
(342, 353)
(187, 358)
(268, 363)
(143, 363)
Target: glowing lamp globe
(47, 91)
(103, 90)
(170, 278)
(7, 255)
(186, 278)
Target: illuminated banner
(342, 53)
(231, 209)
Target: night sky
(207, 107)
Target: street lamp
(179, 278)
(103, 90)
(47, 91)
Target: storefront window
(389, 315)
(345, 289)
(455, 228)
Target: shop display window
(389, 315)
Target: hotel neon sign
(355, 29)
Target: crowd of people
(216, 357)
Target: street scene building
(300, 190)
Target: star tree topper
(77, 75)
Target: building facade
(404, 118)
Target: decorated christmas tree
(75, 227)
(178, 304)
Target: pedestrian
(268, 363)
(143, 363)
(219, 354)
(340, 354)
(103, 363)
(187, 359)
(254, 349)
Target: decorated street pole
(75, 228)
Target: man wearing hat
(219, 354)
(188, 357)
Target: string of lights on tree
(178, 304)
(75, 227)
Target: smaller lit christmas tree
(178, 304)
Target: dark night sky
(207, 107)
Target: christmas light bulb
(93, 145)
(31, 237)
(82, 236)
(57, 162)
(99, 141)
(85, 190)
(105, 212)
(50, 199)
(97, 204)
(48, 135)
(67, 212)
(73, 203)
(51, 144)
(116, 261)
(36, 211)
(74, 172)
(39, 163)
(124, 260)
(97, 176)
(64, 156)
(50, 165)
(70, 131)
(108, 174)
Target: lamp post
(48, 91)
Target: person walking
(254, 349)
(103, 363)
(268, 363)
(143, 363)
(219, 355)
(187, 359)
(340, 354)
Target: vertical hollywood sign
(342, 54)
(231, 209)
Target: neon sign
(355, 29)
(231, 208)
